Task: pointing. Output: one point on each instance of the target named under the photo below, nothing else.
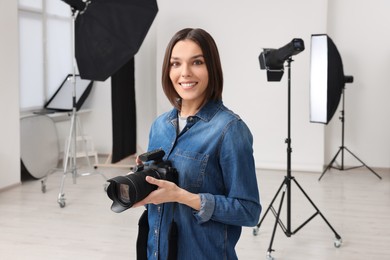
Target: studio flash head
(273, 60)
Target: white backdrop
(360, 31)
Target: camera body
(127, 190)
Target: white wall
(9, 97)
(360, 30)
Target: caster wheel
(61, 200)
(255, 231)
(337, 243)
(62, 204)
(269, 256)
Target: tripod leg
(256, 229)
(68, 146)
(67, 151)
(338, 237)
(61, 195)
(330, 164)
(270, 250)
(363, 163)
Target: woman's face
(188, 72)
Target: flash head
(273, 60)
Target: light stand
(71, 145)
(285, 187)
(342, 148)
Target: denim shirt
(214, 158)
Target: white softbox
(327, 79)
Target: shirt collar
(206, 113)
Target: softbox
(327, 79)
(108, 33)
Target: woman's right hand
(138, 160)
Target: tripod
(285, 188)
(342, 148)
(71, 145)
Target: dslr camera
(127, 190)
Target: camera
(127, 190)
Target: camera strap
(172, 237)
(143, 231)
(142, 239)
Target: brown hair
(212, 60)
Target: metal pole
(289, 150)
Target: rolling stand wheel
(255, 231)
(338, 242)
(61, 201)
(269, 256)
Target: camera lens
(137, 188)
(123, 193)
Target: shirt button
(156, 231)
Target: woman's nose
(186, 71)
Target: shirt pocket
(191, 167)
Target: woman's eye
(175, 64)
(198, 62)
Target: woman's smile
(188, 85)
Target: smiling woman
(215, 194)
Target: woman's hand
(138, 160)
(166, 192)
(169, 192)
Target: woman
(211, 148)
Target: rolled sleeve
(207, 205)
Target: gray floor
(355, 202)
